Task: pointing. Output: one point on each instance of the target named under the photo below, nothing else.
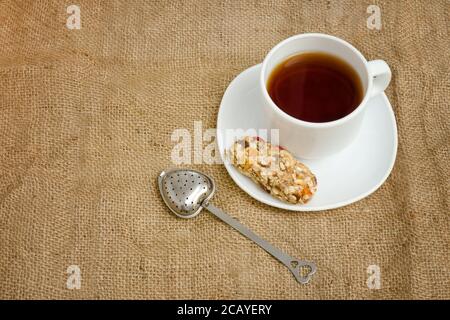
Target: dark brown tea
(315, 87)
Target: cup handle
(380, 73)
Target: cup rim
(294, 120)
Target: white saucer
(343, 178)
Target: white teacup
(311, 140)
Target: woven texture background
(85, 126)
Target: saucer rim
(300, 207)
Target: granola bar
(274, 169)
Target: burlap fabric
(86, 120)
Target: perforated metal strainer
(187, 192)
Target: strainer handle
(294, 265)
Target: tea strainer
(187, 192)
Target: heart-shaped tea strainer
(186, 192)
